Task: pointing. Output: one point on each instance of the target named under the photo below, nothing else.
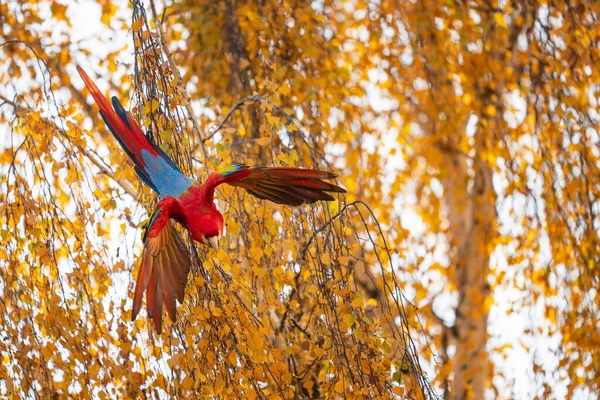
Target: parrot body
(165, 260)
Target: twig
(235, 107)
(167, 53)
(326, 224)
(103, 168)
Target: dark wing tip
(287, 185)
(338, 189)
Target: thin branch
(235, 107)
(167, 53)
(326, 224)
(87, 153)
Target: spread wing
(164, 269)
(152, 165)
(291, 186)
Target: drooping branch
(173, 66)
(104, 169)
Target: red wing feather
(131, 136)
(291, 186)
(163, 271)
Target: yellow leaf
(308, 384)
(166, 135)
(137, 25)
(232, 358)
(108, 11)
(223, 256)
(256, 253)
(187, 382)
(263, 141)
(499, 19)
(59, 11)
(349, 319)
(108, 204)
(284, 89)
(358, 302)
(289, 159)
(491, 111)
(372, 302)
(100, 231)
(398, 390)
(344, 260)
(273, 120)
(48, 350)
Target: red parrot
(165, 261)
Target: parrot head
(208, 228)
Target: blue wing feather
(166, 157)
(231, 169)
(160, 172)
(145, 179)
(168, 181)
(153, 166)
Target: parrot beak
(214, 242)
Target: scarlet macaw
(165, 261)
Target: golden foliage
(465, 135)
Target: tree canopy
(463, 260)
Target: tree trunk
(471, 215)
